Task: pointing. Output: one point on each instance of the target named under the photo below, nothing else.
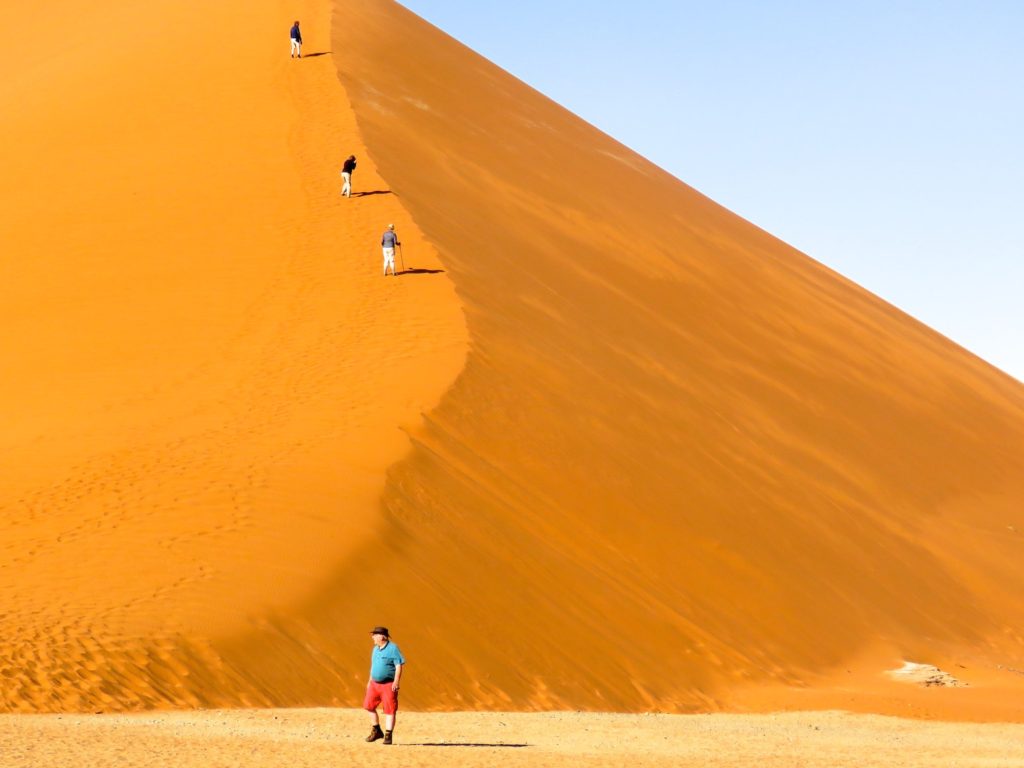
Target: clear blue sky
(883, 138)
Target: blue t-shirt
(383, 661)
(296, 35)
(388, 239)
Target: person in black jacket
(346, 175)
(296, 41)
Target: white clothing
(389, 260)
(296, 47)
(346, 188)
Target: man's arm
(398, 676)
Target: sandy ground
(317, 738)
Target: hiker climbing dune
(389, 241)
(346, 175)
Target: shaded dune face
(682, 457)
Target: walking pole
(401, 258)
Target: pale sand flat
(333, 738)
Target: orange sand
(205, 375)
(670, 463)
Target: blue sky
(884, 139)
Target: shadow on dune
(311, 55)
(374, 192)
(420, 272)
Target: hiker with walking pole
(388, 241)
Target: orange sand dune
(206, 376)
(682, 466)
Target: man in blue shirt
(386, 664)
(296, 41)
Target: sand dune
(205, 375)
(668, 462)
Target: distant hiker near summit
(346, 176)
(388, 241)
(296, 36)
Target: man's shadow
(311, 55)
(420, 271)
(373, 192)
(465, 744)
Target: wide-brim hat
(381, 631)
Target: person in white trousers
(346, 176)
(388, 241)
(296, 41)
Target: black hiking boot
(375, 733)
(387, 737)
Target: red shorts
(381, 693)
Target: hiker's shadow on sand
(311, 55)
(414, 271)
(374, 192)
(466, 744)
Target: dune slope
(205, 375)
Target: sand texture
(604, 446)
(205, 375)
(320, 737)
